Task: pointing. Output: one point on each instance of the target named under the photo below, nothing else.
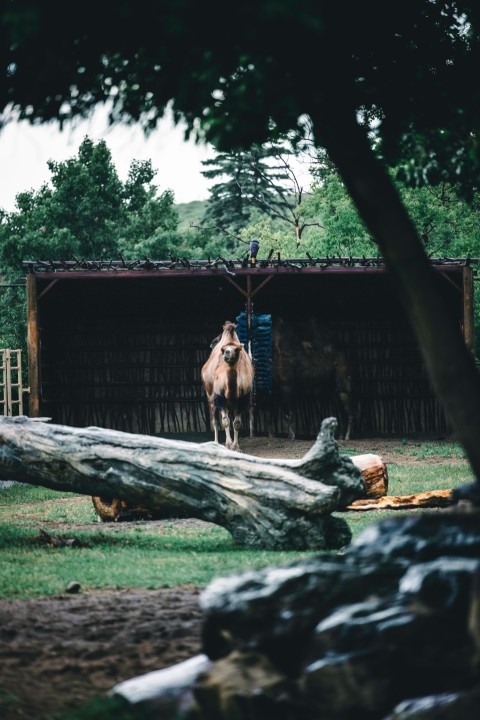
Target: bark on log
(432, 498)
(274, 504)
(372, 469)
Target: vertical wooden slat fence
(137, 380)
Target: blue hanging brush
(261, 347)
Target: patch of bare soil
(62, 651)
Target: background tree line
(86, 211)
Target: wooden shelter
(120, 344)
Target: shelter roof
(183, 266)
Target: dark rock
(446, 706)
(388, 629)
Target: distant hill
(189, 213)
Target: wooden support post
(33, 341)
(250, 350)
(468, 309)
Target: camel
(227, 377)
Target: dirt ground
(59, 652)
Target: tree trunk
(450, 364)
(372, 469)
(273, 504)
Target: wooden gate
(11, 388)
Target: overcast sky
(25, 150)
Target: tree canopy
(262, 181)
(230, 203)
(380, 83)
(86, 211)
(407, 65)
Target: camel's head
(231, 353)
(229, 332)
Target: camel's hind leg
(344, 389)
(287, 406)
(349, 414)
(289, 419)
(213, 420)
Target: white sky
(25, 150)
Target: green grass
(145, 556)
(408, 479)
(24, 493)
(413, 478)
(150, 555)
(432, 450)
(107, 708)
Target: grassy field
(167, 553)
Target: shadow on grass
(211, 540)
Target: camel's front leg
(226, 427)
(290, 431)
(213, 420)
(237, 423)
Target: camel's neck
(231, 382)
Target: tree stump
(374, 473)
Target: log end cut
(374, 473)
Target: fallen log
(267, 503)
(429, 499)
(372, 469)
